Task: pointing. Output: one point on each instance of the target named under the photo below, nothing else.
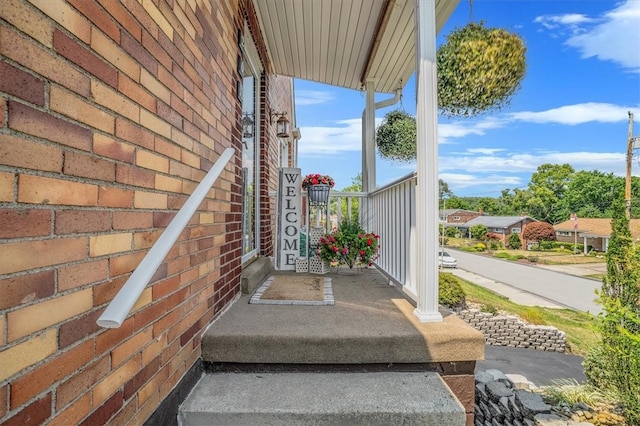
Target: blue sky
(583, 76)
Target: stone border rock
(508, 330)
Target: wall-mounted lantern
(247, 125)
(282, 124)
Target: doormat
(294, 290)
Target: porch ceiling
(344, 42)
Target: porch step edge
(322, 399)
(255, 274)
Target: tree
(547, 188)
(356, 186)
(539, 231)
(479, 232)
(514, 241)
(615, 363)
(592, 193)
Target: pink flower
(345, 250)
(361, 252)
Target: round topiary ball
(396, 136)
(479, 69)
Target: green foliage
(616, 363)
(396, 136)
(452, 232)
(489, 309)
(349, 245)
(450, 293)
(508, 256)
(479, 232)
(539, 231)
(514, 242)
(356, 186)
(533, 315)
(479, 69)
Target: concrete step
(322, 398)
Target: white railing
(393, 213)
(390, 212)
(121, 305)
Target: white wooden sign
(289, 219)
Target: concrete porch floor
(371, 327)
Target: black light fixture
(247, 125)
(282, 124)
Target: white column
(370, 129)
(427, 163)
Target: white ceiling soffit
(344, 42)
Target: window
(498, 230)
(250, 95)
(563, 234)
(516, 230)
(456, 218)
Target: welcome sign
(289, 218)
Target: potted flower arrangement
(349, 245)
(318, 187)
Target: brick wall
(110, 114)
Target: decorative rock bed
(508, 400)
(508, 330)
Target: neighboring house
(503, 226)
(458, 216)
(593, 233)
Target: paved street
(551, 287)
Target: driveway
(552, 286)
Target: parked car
(446, 261)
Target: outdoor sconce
(247, 126)
(282, 124)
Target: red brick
(111, 148)
(26, 288)
(33, 122)
(23, 153)
(84, 58)
(139, 53)
(143, 376)
(33, 414)
(130, 175)
(105, 411)
(82, 221)
(79, 383)
(78, 329)
(42, 61)
(134, 134)
(31, 384)
(4, 392)
(156, 50)
(121, 265)
(113, 336)
(132, 220)
(82, 165)
(97, 15)
(123, 17)
(149, 314)
(137, 93)
(115, 197)
(22, 223)
(27, 255)
(21, 84)
(105, 292)
(3, 109)
(74, 413)
(84, 273)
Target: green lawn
(580, 328)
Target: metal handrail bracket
(121, 305)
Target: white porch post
(369, 148)
(427, 163)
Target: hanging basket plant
(396, 136)
(479, 69)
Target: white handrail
(120, 306)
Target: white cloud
(457, 181)
(576, 114)
(611, 37)
(312, 97)
(344, 136)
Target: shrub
(452, 232)
(489, 309)
(533, 315)
(539, 231)
(514, 241)
(480, 247)
(451, 293)
(479, 232)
